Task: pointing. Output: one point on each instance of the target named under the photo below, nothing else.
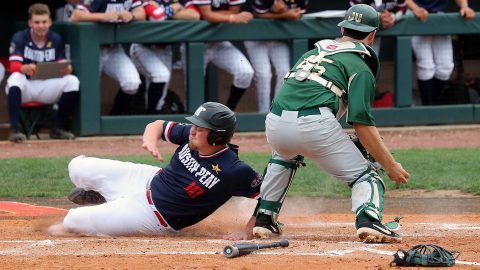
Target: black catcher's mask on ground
(216, 117)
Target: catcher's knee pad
(277, 178)
(367, 195)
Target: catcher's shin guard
(267, 211)
(367, 195)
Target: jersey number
(193, 190)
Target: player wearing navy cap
(129, 198)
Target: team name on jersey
(206, 178)
(47, 55)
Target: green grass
(437, 169)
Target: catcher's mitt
(425, 255)
(364, 152)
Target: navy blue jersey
(218, 4)
(264, 6)
(433, 6)
(24, 50)
(102, 6)
(193, 186)
(165, 2)
(393, 6)
(165, 7)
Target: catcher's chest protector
(330, 47)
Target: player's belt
(301, 75)
(155, 211)
(277, 110)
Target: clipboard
(49, 70)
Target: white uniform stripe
(16, 58)
(167, 130)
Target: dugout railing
(85, 40)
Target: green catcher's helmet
(363, 18)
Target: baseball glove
(425, 255)
(364, 152)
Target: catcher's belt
(277, 110)
(425, 255)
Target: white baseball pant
(116, 64)
(46, 91)
(124, 186)
(155, 63)
(434, 57)
(319, 138)
(262, 55)
(227, 57)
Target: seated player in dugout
(224, 54)
(125, 198)
(28, 47)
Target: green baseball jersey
(345, 67)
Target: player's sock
(122, 103)
(438, 86)
(426, 91)
(155, 92)
(14, 103)
(236, 94)
(66, 107)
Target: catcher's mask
(216, 117)
(361, 17)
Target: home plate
(17, 209)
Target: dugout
(397, 64)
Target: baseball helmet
(216, 117)
(363, 18)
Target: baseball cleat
(266, 227)
(16, 136)
(376, 232)
(394, 225)
(61, 134)
(81, 196)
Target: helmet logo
(199, 110)
(355, 16)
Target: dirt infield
(321, 231)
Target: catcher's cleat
(81, 196)
(266, 227)
(376, 232)
(394, 225)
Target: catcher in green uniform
(335, 78)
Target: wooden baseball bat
(236, 250)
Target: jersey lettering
(206, 178)
(193, 190)
(47, 55)
(306, 64)
(118, 7)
